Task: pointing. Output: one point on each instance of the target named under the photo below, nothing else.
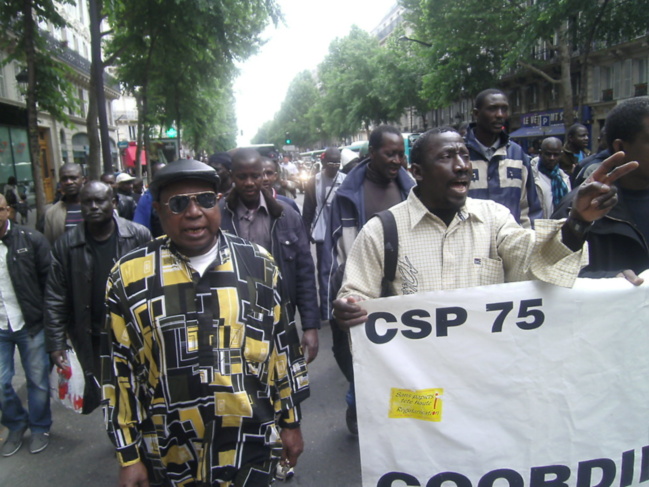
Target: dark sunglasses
(179, 202)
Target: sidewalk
(79, 452)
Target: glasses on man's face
(179, 202)
(4, 208)
(332, 163)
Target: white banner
(522, 384)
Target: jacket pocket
(489, 271)
(288, 243)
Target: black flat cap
(179, 170)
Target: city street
(80, 453)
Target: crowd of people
(180, 301)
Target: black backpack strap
(391, 246)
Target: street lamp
(409, 39)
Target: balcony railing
(74, 59)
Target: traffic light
(288, 138)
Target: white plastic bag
(67, 385)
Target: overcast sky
(300, 43)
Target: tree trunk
(566, 75)
(140, 130)
(94, 154)
(98, 70)
(32, 111)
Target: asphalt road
(80, 453)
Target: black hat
(179, 170)
(222, 158)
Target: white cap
(124, 178)
(346, 156)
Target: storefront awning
(524, 132)
(129, 156)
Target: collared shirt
(200, 367)
(11, 316)
(254, 225)
(489, 152)
(482, 245)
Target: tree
(476, 42)
(572, 26)
(403, 68)
(213, 125)
(348, 82)
(293, 117)
(48, 85)
(170, 60)
(469, 41)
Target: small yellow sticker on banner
(425, 404)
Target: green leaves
(180, 55)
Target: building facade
(59, 143)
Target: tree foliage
(359, 84)
(295, 116)
(476, 42)
(469, 39)
(348, 77)
(182, 60)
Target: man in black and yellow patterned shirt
(203, 372)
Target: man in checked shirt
(449, 241)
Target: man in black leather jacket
(24, 265)
(74, 296)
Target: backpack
(391, 246)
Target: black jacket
(69, 287)
(291, 251)
(614, 242)
(28, 262)
(125, 205)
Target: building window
(625, 88)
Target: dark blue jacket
(291, 251)
(506, 178)
(347, 218)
